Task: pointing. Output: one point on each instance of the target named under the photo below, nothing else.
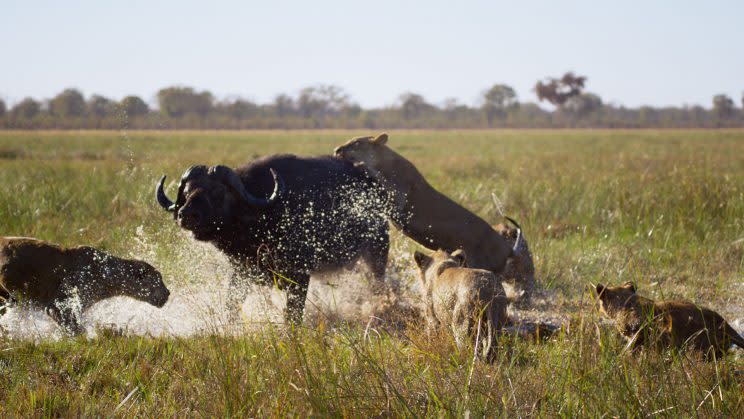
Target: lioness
(673, 323)
(460, 298)
(67, 281)
(423, 213)
(519, 272)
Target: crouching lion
(426, 215)
(460, 298)
(67, 281)
(673, 323)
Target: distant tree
(742, 101)
(319, 101)
(497, 100)
(723, 106)
(68, 104)
(3, 108)
(26, 109)
(133, 106)
(413, 105)
(283, 105)
(582, 105)
(176, 102)
(100, 106)
(558, 91)
(240, 109)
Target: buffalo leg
(376, 258)
(238, 287)
(65, 315)
(5, 300)
(296, 295)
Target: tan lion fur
(423, 213)
(673, 323)
(459, 298)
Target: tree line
(328, 106)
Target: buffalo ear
(381, 139)
(459, 257)
(629, 285)
(600, 289)
(423, 261)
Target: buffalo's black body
(324, 214)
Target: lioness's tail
(735, 337)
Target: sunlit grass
(662, 208)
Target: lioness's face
(363, 151)
(613, 300)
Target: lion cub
(67, 281)
(458, 298)
(673, 323)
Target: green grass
(663, 208)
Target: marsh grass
(662, 208)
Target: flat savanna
(664, 209)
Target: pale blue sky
(634, 52)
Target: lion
(461, 299)
(519, 272)
(65, 282)
(674, 323)
(423, 213)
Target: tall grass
(662, 208)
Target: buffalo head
(209, 197)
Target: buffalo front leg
(296, 296)
(376, 258)
(238, 289)
(65, 315)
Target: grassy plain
(662, 208)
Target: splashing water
(198, 280)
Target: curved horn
(162, 198)
(228, 176)
(515, 249)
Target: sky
(634, 53)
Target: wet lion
(67, 281)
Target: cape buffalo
(281, 218)
(67, 281)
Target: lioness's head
(364, 151)
(520, 267)
(616, 300)
(433, 266)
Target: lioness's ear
(422, 260)
(600, 289)
(459, 257)
(381, 139)
(629, 285)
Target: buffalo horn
(515, 250)
(228, 176)
(162, 198)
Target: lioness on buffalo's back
(425, 214)
(67, 281)
(459, 298)
(674, 323)
(282, 218)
